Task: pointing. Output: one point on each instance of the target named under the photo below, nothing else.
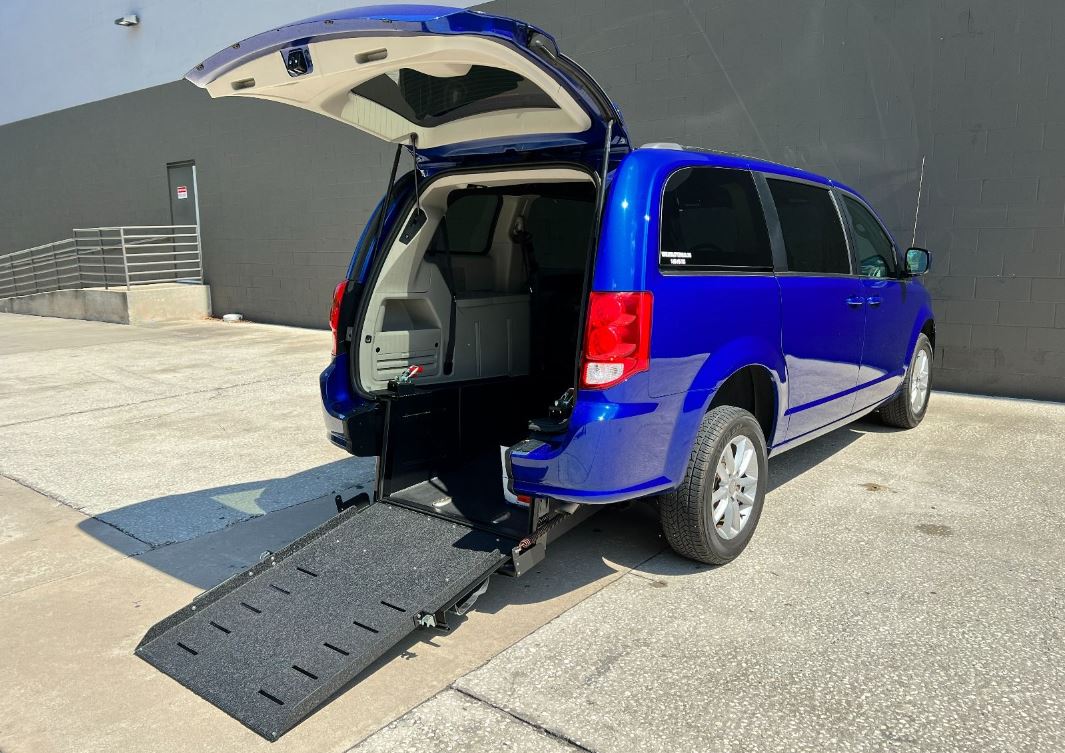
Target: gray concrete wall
(861, 90)
(283, 193)
(856, 89)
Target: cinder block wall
(856, 89)
(861, 90)
(283, 193)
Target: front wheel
(712, 515)
(907, 408)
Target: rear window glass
(430, 101)
(560, 229)
(712, 220)
(813, 235)
(467, 225)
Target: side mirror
(918, 261)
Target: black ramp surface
(272, 644)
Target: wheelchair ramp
(272, 644)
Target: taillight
(334, 311)
(617, 338)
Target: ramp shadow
(203, 536)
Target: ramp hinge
(435, 620)
(438, 619)
(359, 500)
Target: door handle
(874, 300)
(855, 301)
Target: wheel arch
(924, 323)
(928, 329)
(754, 389)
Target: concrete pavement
(168, 432)
(904, 589)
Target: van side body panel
(636, 438)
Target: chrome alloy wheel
(735, 487)
(919, 381)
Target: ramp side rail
(105, 257)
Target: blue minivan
(539, 313)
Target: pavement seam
(68, 576)
(553, 734)
(474, 696)
(144, 402)
(57, 500)
(79, 347)
(547, 731)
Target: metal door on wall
(184, 210)
(184, 204)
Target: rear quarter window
(467, 225)
(712, 221)
(562, 229)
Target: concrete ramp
(158, 302)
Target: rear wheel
(712, 515)
(907, 408)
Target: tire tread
(897, 411)
(679, 509)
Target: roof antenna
(917, 214)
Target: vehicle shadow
(626, 536)
(794, 463)
(782, 469)
(614, 541)
(205, 536)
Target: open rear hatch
(459, 81)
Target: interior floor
(446, 446)
(472, 491)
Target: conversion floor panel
(272, 644)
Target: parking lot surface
(904, 591)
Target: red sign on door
(183, 192)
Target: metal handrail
(105, 257)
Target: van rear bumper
(351, 423)
(620, 444)
(612, 452)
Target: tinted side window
(875, 251)
(468, 224)
(711, 219)
(813, 235)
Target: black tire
(900, 411)
(687, 512)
